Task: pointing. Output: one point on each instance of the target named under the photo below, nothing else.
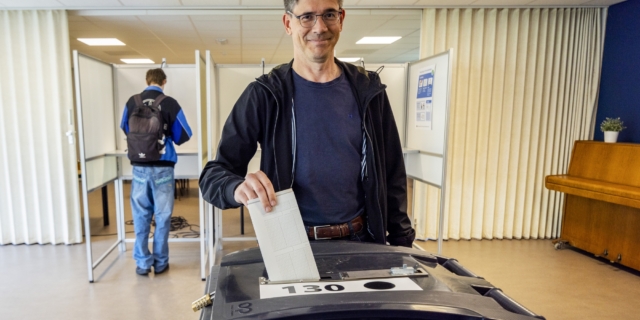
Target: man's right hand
(256, 185)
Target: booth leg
(105, 206)
(119, 193)
(242, 220)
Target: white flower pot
(611, 136)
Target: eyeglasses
(308, 20)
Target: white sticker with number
(326, 287)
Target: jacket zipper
(373, 159)
(275, 126)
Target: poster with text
(424, 102)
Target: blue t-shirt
(328, 151)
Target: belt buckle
(315, 232)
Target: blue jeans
(152, 193)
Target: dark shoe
(142, 272)
(160, 270)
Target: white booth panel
(181, 85)
(232, 80)
(394, 76)
(426, 139)
(201, 79)
(96, 86)
(101, 171)
(214, 111)
(186, 168)
(424, 167)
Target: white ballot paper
(283, 242)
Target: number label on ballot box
(303, 288)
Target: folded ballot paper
(283, 242)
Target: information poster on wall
(424, 102)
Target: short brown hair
(156, 76)
(289, 4)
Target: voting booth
(102, 91)
(207, 92)
(427, 114)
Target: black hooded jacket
(263, 114)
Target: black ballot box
(358, 281)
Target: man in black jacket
(326, 130)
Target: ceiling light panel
(122, 53)
(349, 59)
(137, 61)
(378, 40)
(101, 41)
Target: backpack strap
(137, 99)
(158, 99)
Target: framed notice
(424, 99)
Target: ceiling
(174, 29)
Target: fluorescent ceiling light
(349, 59)
(101, 41)
(134, 61)
(378, 40)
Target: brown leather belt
(335, 231)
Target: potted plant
(611, 128)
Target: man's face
(316, 43)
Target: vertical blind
(38, 184)
(524, 88)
